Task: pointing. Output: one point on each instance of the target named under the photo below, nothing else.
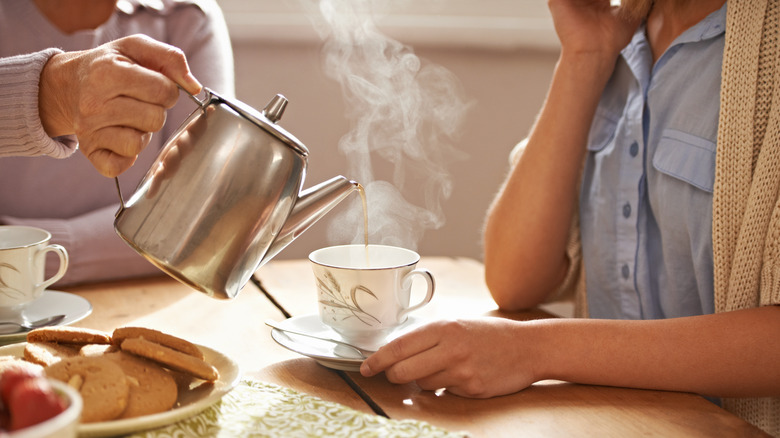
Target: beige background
(505, 84)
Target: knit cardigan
(746, 205)
(746, 196)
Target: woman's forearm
(731, 354)
(527, 226)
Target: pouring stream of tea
(362, 192)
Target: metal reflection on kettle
(224, 196)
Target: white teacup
(363, 295)
(22, 262)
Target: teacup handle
(41, 258)
(426, 274)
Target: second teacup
(364, 292)
(22, 263)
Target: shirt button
(626, 210)
(625, 271)
(634, 149)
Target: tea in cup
(364, 291)
(22, 264)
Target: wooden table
(285, 288)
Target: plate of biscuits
(133, 379)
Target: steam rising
(402, 110)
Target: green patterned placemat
(259, 409)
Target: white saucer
(52, 303)
(327, 353)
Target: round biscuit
(171, 358)
(69, 335)
(48, 353)
(158, 337)
(97, 349)
(100, 381)
(152, 388)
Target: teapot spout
(312, 204)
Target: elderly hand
(113, 97)
(472, 358)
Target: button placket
(633, 151)
(631, 173)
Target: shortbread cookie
(69, 335)
(157, 337)
(152, 388)
(48, 353)
(100, 381)
(97, 349)
(171, 358)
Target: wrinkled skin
(113, 97)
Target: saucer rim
(333, 362)
(70, 318)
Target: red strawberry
(5, 420)
(33, 401)
(12, 376)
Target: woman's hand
(113, 97)
(477, 358)
(591, 27)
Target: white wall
(506, 79)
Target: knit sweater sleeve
(21, 131)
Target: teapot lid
(265, 119)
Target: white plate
(193, 398)
(52, 302)
(326, 353)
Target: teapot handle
(121, 200)
(201, 103)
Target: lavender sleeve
(21, 132)
(96, 253)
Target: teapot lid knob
(275, 108)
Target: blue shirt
(646, 200)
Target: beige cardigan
(746, 198)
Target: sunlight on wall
(494, 24)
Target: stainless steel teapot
(224, 196)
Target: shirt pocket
(686, 157)
(602, 130)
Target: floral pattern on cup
(5, 288)
(330, 289)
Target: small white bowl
(63, 425)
